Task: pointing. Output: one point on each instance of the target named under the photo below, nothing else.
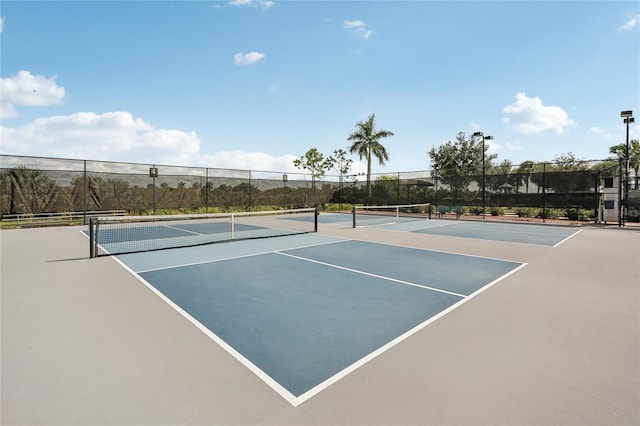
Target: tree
(634, 155)
(366, 143)
(523, 172)
(457, 162)
(500, 178)
(342, 164)
(31, 191)
(314, 161)
(565, 174)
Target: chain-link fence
(33, 185)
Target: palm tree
(366, 143)
(634, 155)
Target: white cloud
(600, 132)
(248, 58)
(514, 146)
(359, 28)
(251, 3)
(1, 24)
(114, 136)
(630, 24)
(26, 89)
(119, 136)
(529, 115)
(243, 160)
(353, 24)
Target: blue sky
(254, 84)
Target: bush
(526, 212)
(475, 210)
(573, 213)
(497, 211)
(335, 207)
(550, 213)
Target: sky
(254, 84)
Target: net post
(353, 213)
(429, 209)
(92, 249)
(316, 213)
(233, 226)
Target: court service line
(371, 275)
(182, 229)
(241, 256)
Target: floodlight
(488, 137)
(477, 134)
(626, 113)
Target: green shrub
(526, 212)
(475, 210)
(497, 211)
(551, 213)
(573, 213)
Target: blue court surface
(537, 234)
(303, 311)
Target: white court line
(441, 251)
(180, 229)
(569, 237)
(277, 387)
(288, 396)
(238, 256)
(336, 377)
(501, 228)
(331, 265)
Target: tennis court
(388, 218)
(302, 315)
(392, 324)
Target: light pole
(628, 118)
(481, 135)
(153, 174)
(285, 178)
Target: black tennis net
(380, 215)
(129, 234)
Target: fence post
(544, 192)
(620, 192)
(84, 194)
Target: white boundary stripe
(371, 275)
(569, 237)
(288, 396)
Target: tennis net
(380, 215)
(129, 234)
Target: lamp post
(284, 190)
(153, 174)
(481, 135)
(627, 116)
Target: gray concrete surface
(83, 342)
